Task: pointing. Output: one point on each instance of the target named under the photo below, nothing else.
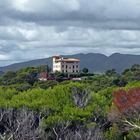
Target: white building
(66, 65)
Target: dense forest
(100, 107)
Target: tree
(45, 84)
(111, 72)
(119, 82)
(20, 124)
(85, 70)
(81, 97)
(43, 68)
(132, 74)
(125, 71)
(126, 115)
(27, 75)
(9, 78)
(135, 67)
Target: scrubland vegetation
(101, 107)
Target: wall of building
(56, 65)
(66, 66)
(70, 67)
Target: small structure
(76, 79)
(66, 65)
(43, 76)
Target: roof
(56, 56)
(68, 60)
(61, 59)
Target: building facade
(66, 65)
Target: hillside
(93, 61)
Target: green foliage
(85, 70)
(45, 84)
(22, 89)
(43, 68)
(113, 133)
(27, 77)
(6, 96)
(8, 78)
(100, 82)
(57, 102)
(111, 72)
(101, 101)
(131, 85)
(132, 73)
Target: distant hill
(93, 61)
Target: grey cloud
(96, 13)
(31, 29)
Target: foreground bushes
(67, 111)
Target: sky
(34, 29)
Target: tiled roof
(68, 60)
(61, 59)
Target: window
(62, 66)
(66, 66)
(66, 71)
(76, 66)
(73, 66)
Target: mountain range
(95, 62)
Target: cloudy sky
(32, 29)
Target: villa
(66, 65)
